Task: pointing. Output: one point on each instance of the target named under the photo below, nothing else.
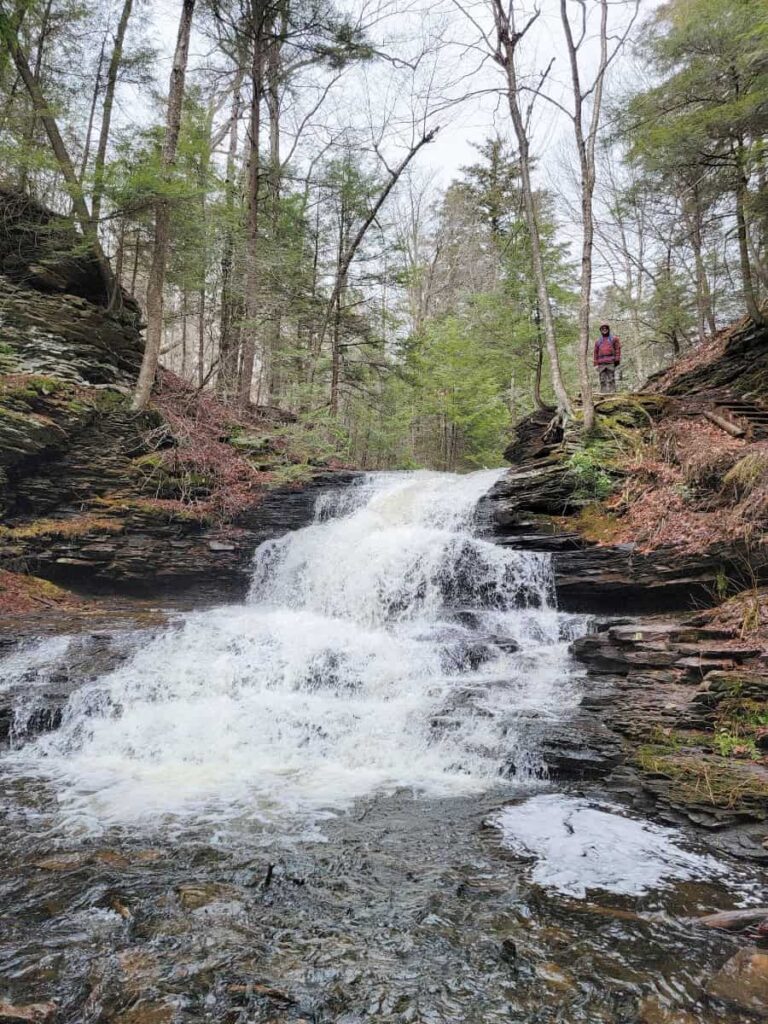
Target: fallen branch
(724, 424)
(733, 920)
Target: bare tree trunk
(585, 146)
(201, 338)
(586, 143)
(106, 110)
(336, 333)
(273, 382)
(704, 313)
(92, 111)
(348, 254)
(538, 401)
(508, 39)
(184, 333)
(156, 279)
(252, 297)
(228, 356)
(750, 296)
(120, 254)
(136, 255)
(29, 134)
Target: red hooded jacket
(607, 351)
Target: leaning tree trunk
(106, 110)
(66, 165)
(156, 279)
(508, 40)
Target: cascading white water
(384, 646)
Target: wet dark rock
(582, 747)
(66, 337)
(649, 695)
(508, 952)
(742, 982)
(42, 250)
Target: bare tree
(106, 110)
(347, 254)
(156, 279)
(586, 128)
(505, 50)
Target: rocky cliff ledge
(665, 506)
(662, 512)
(94, 496)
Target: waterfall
(385, 646)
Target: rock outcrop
(672, 715)
(671, 720)
(135, 547)
(553, 498)
(86, 498)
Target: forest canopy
(272, 180)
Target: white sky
(477, 118)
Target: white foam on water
(580, 845)
(350, 670)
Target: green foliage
(587, 466)
(727, 744)
(459, 387)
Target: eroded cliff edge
(658, 525)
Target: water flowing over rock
(349, 670)
(279, 809)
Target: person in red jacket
(606, 358)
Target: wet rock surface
(135, 549)
(661, 699)
(408, 911)
(603, 578)
(742, 983)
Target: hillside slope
(95, 496)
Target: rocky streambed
(397, 784)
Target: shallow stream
(328, 804)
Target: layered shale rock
(554, 496)
(671, 719)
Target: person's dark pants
(607, 380)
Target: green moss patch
(78, 526)
(709, 780)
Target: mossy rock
(635, 410)
(76, 526)
(707, 780)
(252, 444)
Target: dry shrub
(746, 615)
(747, 475)
(746, 484)
(214, 477)
(703, 452)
